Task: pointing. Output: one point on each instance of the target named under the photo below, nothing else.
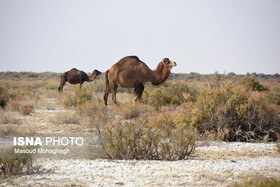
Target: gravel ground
(213, 164)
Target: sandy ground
(212, 164)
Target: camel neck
(160, 75)
(92, 77)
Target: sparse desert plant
(26, 109)
(164, 135)
(237, 114)
(12, 163)
(79, 97)
(258, 181)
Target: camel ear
(165, 60)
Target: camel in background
(131, 72)
(75, 76)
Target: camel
(75, 76)
(131, 72)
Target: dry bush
(236, 114)
(17, 130)
(65, 118)
(164, 135)
(14, 105)
(15, 164)
(128, 111)
(5, 95)
(26, 109)
(8, 118)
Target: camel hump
(74, 69)
(133, 57)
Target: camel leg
(62, 83)
(107, 91)
(114, 93)
(138, 91)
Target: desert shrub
(79, 97)
(250, 83)
(14, 105)
(8, 118)
(14, 164)
(237, 114)
(169, 94)
(128, 111)
(168, 134)
(32, 75)
(258, 181)
(49, 86)
(273, 97)
(26, 109)
(5, 96)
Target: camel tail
(62, 82)
(107, 79)
(107, 89)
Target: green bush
(235, 113)
(32, 75)
(174, 93)
(14, 163)
(50, 86)
(165, 135)
(250, 83)
(80, 96)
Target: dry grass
(9, 118)
(65, 118)
(16, 130)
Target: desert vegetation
(166, 125)
(230, 107)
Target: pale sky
(202, 36)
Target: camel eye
(168, 62)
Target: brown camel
(75, 76)
(131, 72)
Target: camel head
(94, 74)
(168, 64)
